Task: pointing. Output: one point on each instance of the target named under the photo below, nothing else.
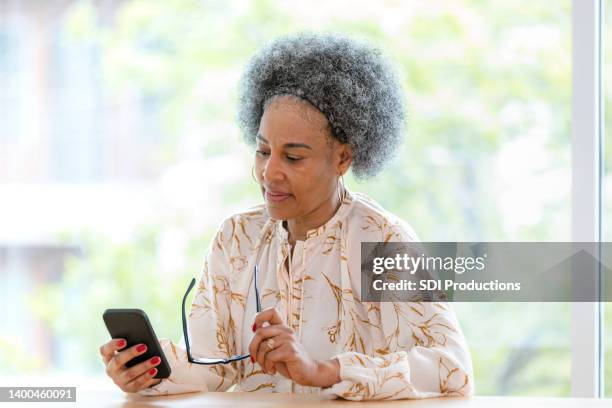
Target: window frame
(587, 167)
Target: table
(117, 398)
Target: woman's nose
(272, 169)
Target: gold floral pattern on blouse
(386, 350)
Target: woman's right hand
(130, 379)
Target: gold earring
(341, 195)
(253, 174)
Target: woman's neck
(299, 227)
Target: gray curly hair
(350, 82)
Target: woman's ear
(346, 158)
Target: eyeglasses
(211, 361)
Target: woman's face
(297, 163)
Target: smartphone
(133, 326)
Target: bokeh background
(120, 156)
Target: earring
(341, 195)
(253, 174)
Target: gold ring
(270, 344)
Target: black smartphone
(133, 326)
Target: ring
(270, 344)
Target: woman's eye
(263, 153)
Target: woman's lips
(276, 197)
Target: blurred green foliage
(479, 76)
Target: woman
(315, 106)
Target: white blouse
(386, 350)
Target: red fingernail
(141, 348)
(252, 359)
(155, 360)
(152, 371)
(254, 326)
(121, 343)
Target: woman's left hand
(276, 348)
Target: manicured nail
(152, 371)
(121, 343)
(155, 360)
(254, 326)
(141, 348)
(252, 359)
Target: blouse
(385, 350)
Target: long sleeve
(417, 348)
(425, 355)
(211, 333)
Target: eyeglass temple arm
(255, 279)
(185, 335)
